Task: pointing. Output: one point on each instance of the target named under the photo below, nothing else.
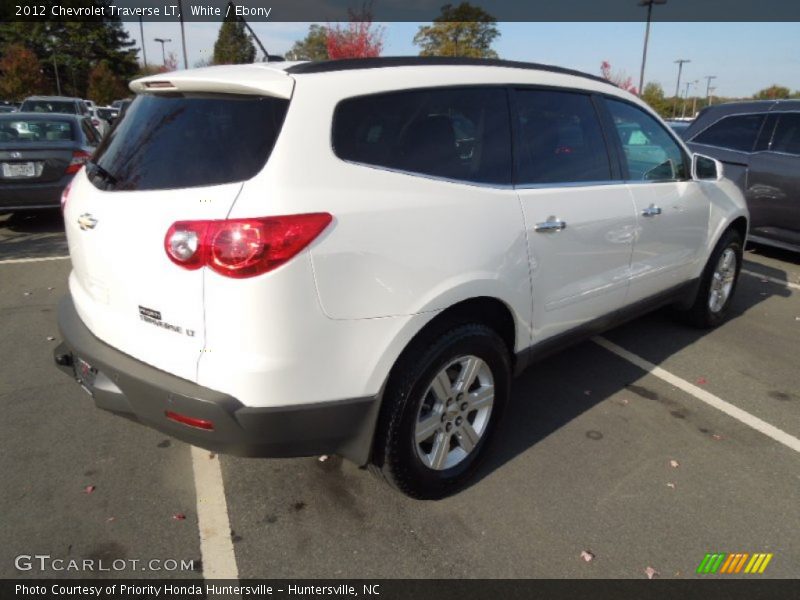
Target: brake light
(79, 158)
(64, 196)
(242, 248)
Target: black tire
(700, 314)
(396, 457)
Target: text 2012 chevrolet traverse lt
(354, 257)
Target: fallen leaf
(671, 485)
(587, 556)
(702, 381)
(50, 338)
(212, 455)
(651, 572)
(716, 436)
(89, 489)
(674, 464)
(323, 458)
(26, 293)
(179, 517)
(50, 289)
(109, 519)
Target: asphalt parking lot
(638, 469)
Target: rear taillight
(64, 196)
(79, 158)
(242, 247)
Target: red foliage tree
(620, 79)
(20, 74)
(358, 39)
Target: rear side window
(179, 141)
(650, 152)
(787, 134)
(462, 134)
(560, 139)
(36, 130)
(90, 132)
(737, 132)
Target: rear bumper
(128, 387)
(16, 196)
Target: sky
(744, 57)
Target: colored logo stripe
(722, 562)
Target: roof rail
(347, 64)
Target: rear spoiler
(227, 79)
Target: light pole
(680, 62)
(711, 94)
(649, 4)
(141, 34)
(708, 88)
(55, 69)
(686, 97)
(163, 41)
(183, 35)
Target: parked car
(678, 126)
(7, 108)
(759, 144)
(90, 104)
(39, 155)
(353, 257)
(54, 104)
(108, 114)
(101, 125)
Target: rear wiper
(98, 170)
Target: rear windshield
(48, 106)
(178, 141)
(36, 130)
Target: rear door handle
(552, 224)
(651, 211)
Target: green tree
(653, 94)
(233, 45)
(19, 73)
(312, 47)
(773, 92)
(104, 85)
(76, 45)
(463, 30)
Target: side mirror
(705, 167)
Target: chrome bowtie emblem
(16, 155)
(87, 221)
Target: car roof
(32, 116)
(53, 98)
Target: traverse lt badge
(87, 221)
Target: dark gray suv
(759, 144)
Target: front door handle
(651, 211)
(552, 224)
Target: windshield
(178, 141)
(49, 106)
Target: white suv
(353, 257)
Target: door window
(787, 134)
(736, 132)
(559, 139)
(650, 152)
(460, 134)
